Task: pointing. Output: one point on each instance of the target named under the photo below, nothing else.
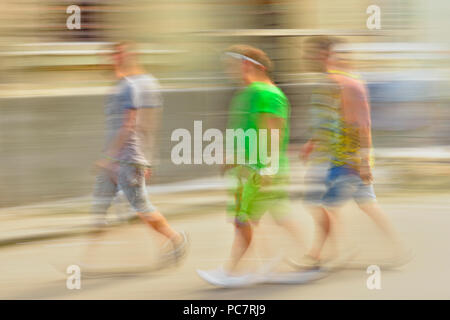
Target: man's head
(247, 63)
(124, 54)
(319, 52)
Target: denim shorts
(332, 186)
(343, 184)
(130, 179)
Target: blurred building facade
(53, 80)
(183, 38)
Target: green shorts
(250, 200)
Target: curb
(84, 230)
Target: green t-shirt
(245, 113)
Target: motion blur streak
(54, 82)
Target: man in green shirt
(260, 106)
(257, 160)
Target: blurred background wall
(53, 81)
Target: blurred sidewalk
(71, 216)
(175, 200)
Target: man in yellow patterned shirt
(342, 138)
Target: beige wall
(174, 25)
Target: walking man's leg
(159, 223)
(322, 228)
(132, 182)
(104, 191)
(242, 240)
(380, 218)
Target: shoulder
(267, 91)
(123, 88)
(145, 90)
(348, 81)
(275, 94)
(150, 81)
(279, 93)
(352, 89)
(143, 82)
(271, 99)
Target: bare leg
(328, 228)
(322, 224)
(293, 230)
(242, 239)
(156, 221)
(104, 191)
(382, 221)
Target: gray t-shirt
(133, 92)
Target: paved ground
(33, 270)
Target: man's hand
(103, 164)
(306, 150)
(147, 174)
(365, 172)
(108, 165)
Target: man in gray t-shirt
(124, 166)
(131, 93)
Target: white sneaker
(342, 259)
(214, 277)
(220, 278)
(240, 281)
(305, 263)
(174, 253)
(270, 265)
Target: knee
(245, 230)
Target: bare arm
(148, 124)
(128, 127)
(357, 115)
(306, 149)
(269, 121)
(365, 128)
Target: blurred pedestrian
(340, 152)
(258, 188)
(124, 166)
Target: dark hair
(325, 43)
(253, 53)
(130, 45)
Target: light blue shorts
(343, 184)
(130, 179)
(331, 186)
